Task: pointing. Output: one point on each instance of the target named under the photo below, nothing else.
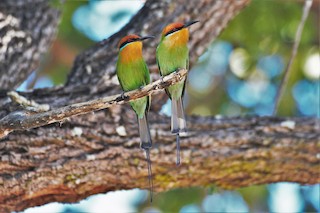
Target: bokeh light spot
(285, 197)
(100, 19)
(306, 95)
(271, 65)
(311, 67)
(239, 62)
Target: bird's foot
(122, 95)
(178, 69)
(162, 83)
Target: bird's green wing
(118, 72)
(146, 73)
(157, 52)
(185, 81)
(158, 63)
(147, 81)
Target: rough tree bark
(25, 34)
(98, 152)
(90, 154)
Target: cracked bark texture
(90, 154)
(98, 152)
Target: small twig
(29, 105)
(23, 120)
(284, 80)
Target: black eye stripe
(173, 30)
(128, 41)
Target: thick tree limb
(90, 154)
(24, 120)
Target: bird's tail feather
(178, 121)
(146, 144)
(144, 132)
(149, 173)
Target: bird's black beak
(145, 37)
(188, 24)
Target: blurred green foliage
(168, 202)
(67, 32)
(265, 27)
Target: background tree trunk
(99, 152)
(27, 30)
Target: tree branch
(23, 120)
(91, 154)
(284, 80)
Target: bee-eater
(133, 73)
(172, 54)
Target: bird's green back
(169, 60)
(133, 75)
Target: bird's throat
(131, 52)
(176, 39)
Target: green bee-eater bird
(172, 54)
(133, 73)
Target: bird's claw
(178, 69)
(161, 80)
(122, 95)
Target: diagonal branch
(284, 80)
(24, 120)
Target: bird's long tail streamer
(149, 174)
(178, 121)
(178, 148)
